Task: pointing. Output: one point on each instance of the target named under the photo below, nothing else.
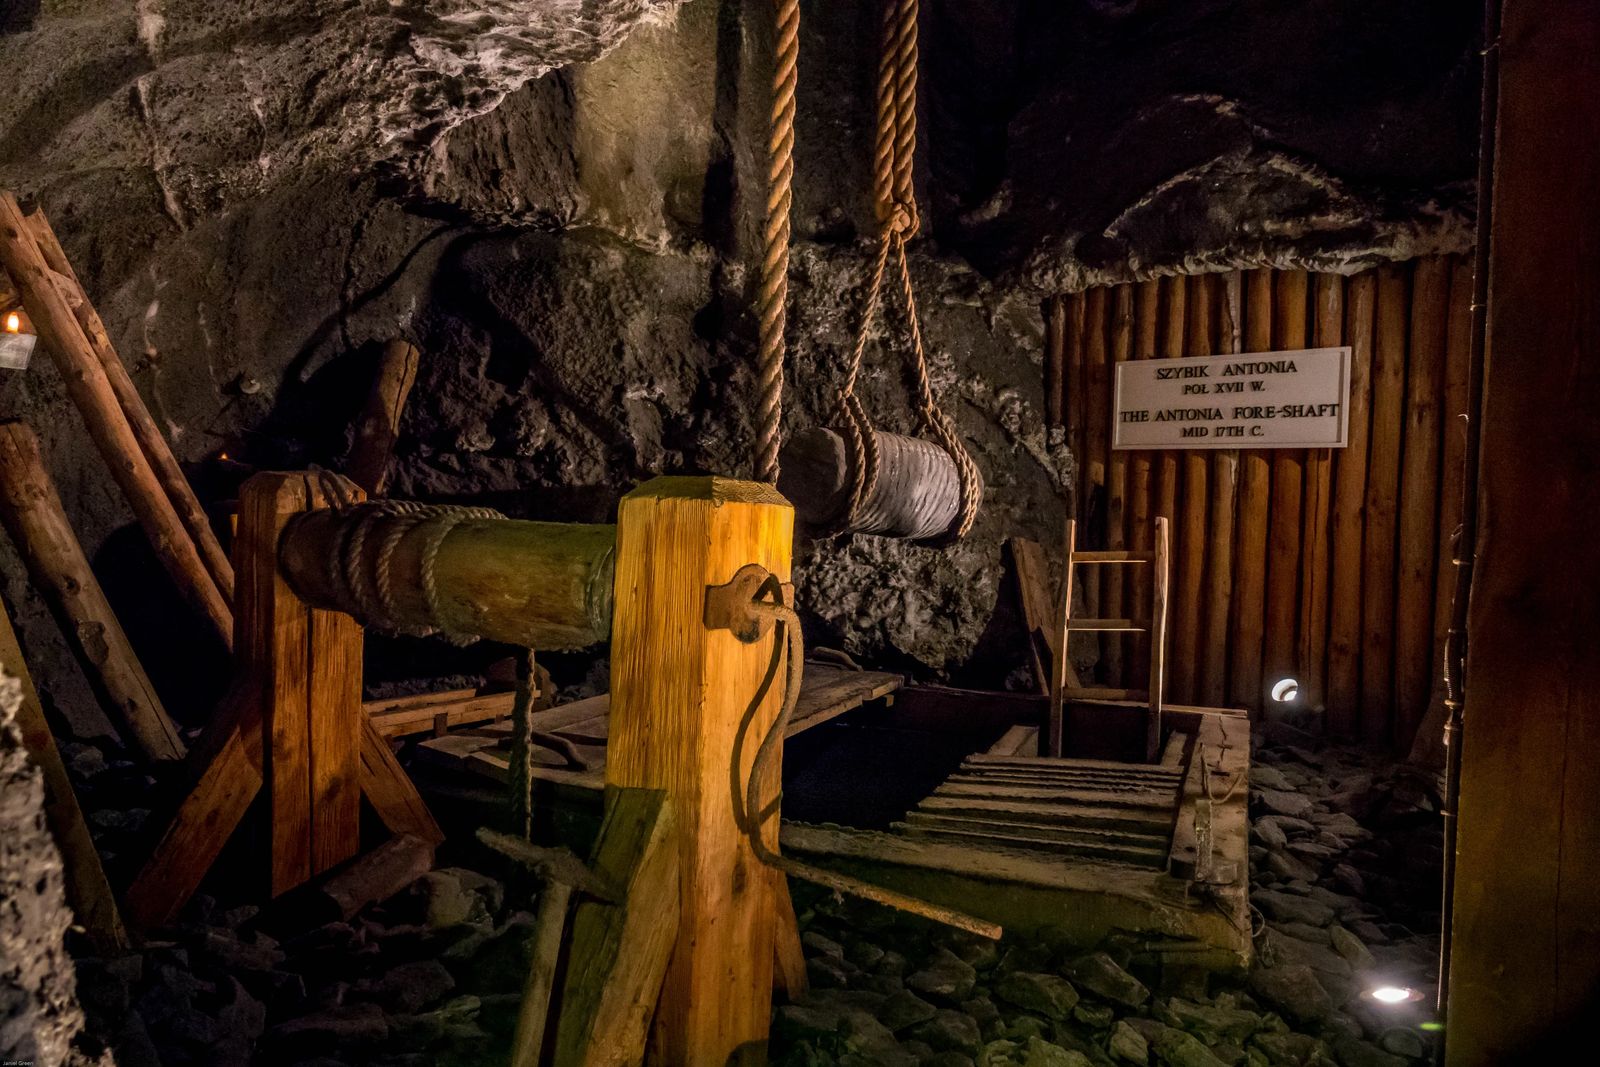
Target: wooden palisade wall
(1329, 566)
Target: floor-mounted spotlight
(1286, 690)
(1393, 995)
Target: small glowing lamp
(1285, 690)
(16, 343)
(13, 322)
(1393, 995)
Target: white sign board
(1258, 400)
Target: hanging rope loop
(895, 205)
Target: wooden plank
(336, 722)
(1055, 726)
(680, 698)
(1158, 643)
(1328, 323)
(1383, 489)
(1218, 595)
(1524, 967)
(828, 692)
(620, 948)
(1418, 536)
(1018, 740)
(88, 892)
(1147, 305)
(202, 825)
(789, 975)
(1193, 542)
(378, 426)
(462, 710)
(32, 514)
(1038, 613)
(390, 791)
(1255, 490)
(1113, 591)
(1343, 695)
(151, 441)
(1070, 763)
(1279, 648)
(91, 392)
(1226, 755)
(1152, 821)
(1042, 840)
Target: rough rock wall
(39, 1014)
(574, 256)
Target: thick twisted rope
(895, 205)
(773, 295)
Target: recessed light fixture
(1285, 690)
(1393, 994)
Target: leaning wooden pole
(152, 443)
(32, 513)
(92, 393)
(379, 425)
(682, 721)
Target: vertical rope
(772, 300)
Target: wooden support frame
(681, 722)
(293, 726)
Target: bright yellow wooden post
(679, 693)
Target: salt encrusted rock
(1047, 994)
(1283, 802)
(950, 1030)
(1174, 1048)
(815, 944)
(1041, 1053)
(1128, 1045)
(1350, 947)
(1292, 989)
(1353, 1052)
(354, 1026)
(825, 972)
(1266, 776)
(1212, 1023)
(1269, 833)
(1289, 908)
(946, 977)
(1291, 1050)
(1099, 974)
(1402, 1042)
(905, 1009)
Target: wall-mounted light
(1286, 690)
(16, 340)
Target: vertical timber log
(1255, 488)
(1097, 424)
(1141, 490)
(1192, 539)
(1383, 487)
(32, 514)
(1112, 592)
(1419, 497)
(1288, 467)
(1218, 610)
(1350, 484)
(680, 694)
(1328, 322)
(379, 424)
(1524, 966)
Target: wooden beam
(151, 441)
(620, 948)
(1524, 965)
(1383, 489)
(1328, 324)
(1350, 484)
(390, 791)
(91, 392)
(88, 892)
(379, 424)
(681, 722)
(33, 516)
(1141, 488)
(1279, 648)
(1113, 590)
(1097, 393)
(1193, 542)
(1219, 576)
(1255, 490)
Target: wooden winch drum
(917, 495)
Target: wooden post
(1328, 314)
(681, 722)
(1193, 542)
(1075, 408)
(1283, 531)
(1097, 422)
(379, 424)
(1524, 965)
(1218, 611)
(1055, 729)
(33, 515)
(1112, 591)
(306, 665)
(1343, 697)
(91, 392)
(1141, 488)
(151, 442)
(1255, 488)
(88, 892)
(1383, 487)
(1418, 537)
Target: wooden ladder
(1154, 624)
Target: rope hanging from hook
(895, 205)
